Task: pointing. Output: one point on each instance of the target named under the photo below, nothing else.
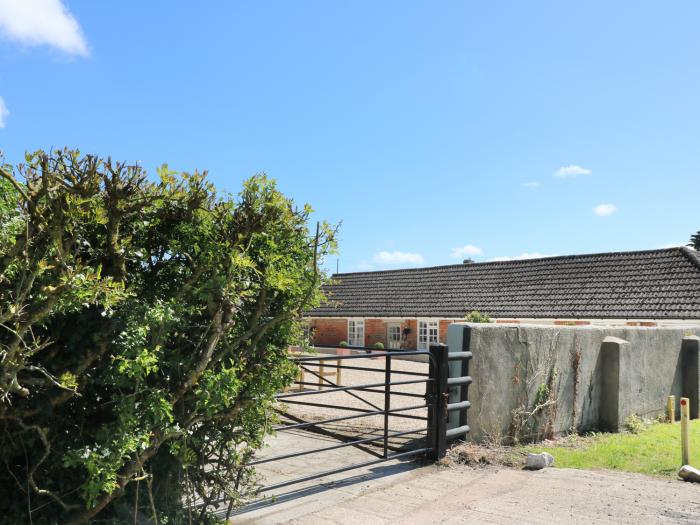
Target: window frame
(389, 326)
(425, 345)
(355, 322)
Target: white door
(427, 334)
(356, 332)
(393, 335)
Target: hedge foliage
(143, 334)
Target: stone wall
(581, 377)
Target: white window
(427, 334)
(356, 332)
(394, 335)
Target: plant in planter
(379, 345)
(477, 317)
(343, 344)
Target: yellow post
(671, 408)
(320, 376)
(338, 376)
(685, 438)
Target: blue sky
(433, 130)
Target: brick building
(412, 308)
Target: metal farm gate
(430, 432)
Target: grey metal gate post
(459, 340)
(437, 409)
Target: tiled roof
(654, 284)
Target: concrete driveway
(406, 493)
(399, 492)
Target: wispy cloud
(42, 22)
(603, 210)
(571, 171)
(523, 256)
(397, 258)
(463, 251)
(4, 112)
(532, 184)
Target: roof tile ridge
(692, 255)
(513, 262)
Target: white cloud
(603, 210)
(463, 251)
(42, 22)
(397, 257)
(4, 112)
(570, 172)
(532, 184)
(523, 256)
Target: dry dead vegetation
(492, 452)
(482, 455)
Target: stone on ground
(688, 473)
(539, 461)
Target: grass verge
(655, 450)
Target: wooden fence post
(685, 441)
(671, 408)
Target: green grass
(655, 451)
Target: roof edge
(694, 257)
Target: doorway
(393, 335)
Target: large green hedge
(143, 333)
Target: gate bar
(344, 388)
(350, 409)
(327, 357)
(460, 405)
(459, 356)
(464, 380)
(459, 431)
(333, 447)
(393, 392)
(343, 469)
(332, 384)
(367, 369)
(387, 403)
(343, 418)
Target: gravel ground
(362, 400)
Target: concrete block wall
(602, 375)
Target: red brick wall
(333, 331)
(642, 323)
(442, 331)
(375, 332)
(411, 341)
(329, 331)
